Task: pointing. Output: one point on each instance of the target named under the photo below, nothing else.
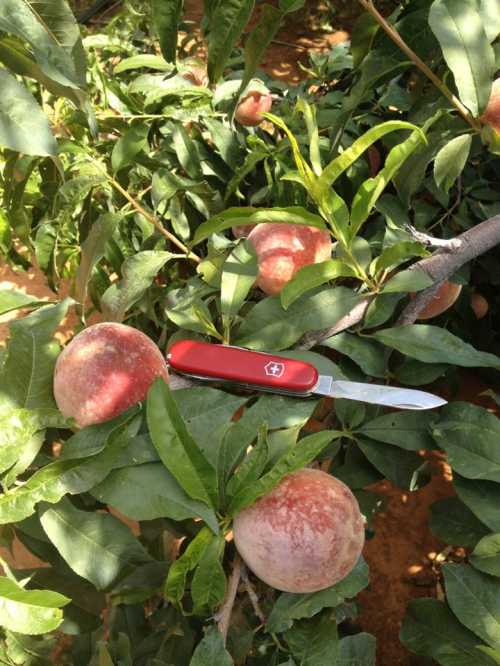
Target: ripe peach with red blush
(282, 249)
(243, 230)
(104, 370)
(196, 74)
(479, 304)
(491, 116)
(303, 536)
(444, 298)
(249, 111)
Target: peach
(282, 249)
(479, 304)
(196, 74)
(104, 370)
(243, 230)
(445, 296)
(303, 536)
(249, 111)
(491, 116)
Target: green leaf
(186, 152)
(289, 6)
(97, 546)
(454, 523)
(312, 276)
(358, 650)
(62, 477)
(238, 276)
(315, 641)
(210, 651)
(406, 429)
(267, 327)
(341, 163)
(177, 449)
(381, 309)
(482, 498)
(431, 630)
(470, 434)
(273, 410)
(147, 492)
(13, 299)
(51, 29)
(252, 466)
(486, 555)
(397, 465)
(415, 373)
(23, 125)
(490, 18)
(410, 280)
(366, 353)
(129, 145)
(29, 611)
(138, 273)
(27, 374)
(475, 600)
(307, 449)
(209, 581)
(92, 251)
(370, 191)
(290, 607)
(432, 344)
(451, 160)
(458, 26)
(234, 217)
(166, 18)
(259, 39)
(178, 571)
(227, 23)
(397, 254)
(148, 60)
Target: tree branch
(441, 265)
(254, 599)
(223, 617)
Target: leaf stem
(399, 41)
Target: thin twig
(223, 617)
(398, 40)
(429, 241)
(151, 218)
(254, 599)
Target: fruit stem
(399, 41)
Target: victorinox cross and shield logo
(274, 369)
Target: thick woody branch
(444, 263)
(440, 266)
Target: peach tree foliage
(180, 464)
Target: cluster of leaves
(120, 204)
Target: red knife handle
(242, 366)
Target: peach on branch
(282, 249)
(303, 536)
(195, 74)
(479, 304)
(444, 298)
(249, 111)
(104, 370)
(491, 116)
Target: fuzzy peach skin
(480, 305)
(196, 75)
(282, 249)
(243, 230)
(104, 370)
(252, 106)
(446, 295)
(303, 536)
(491, 116)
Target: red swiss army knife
(277, 374)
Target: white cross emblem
(273, 369)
